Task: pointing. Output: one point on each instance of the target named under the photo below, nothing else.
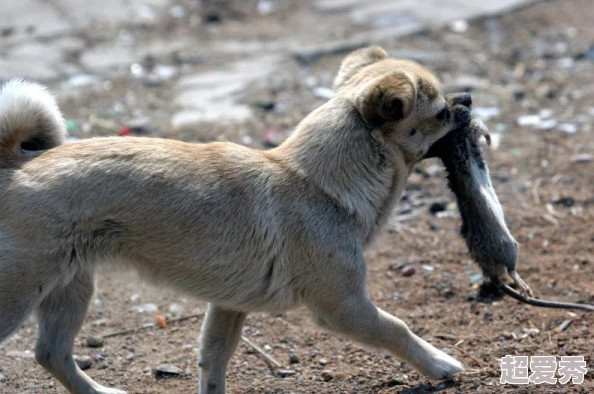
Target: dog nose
(462, 99)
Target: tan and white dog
(244, 229)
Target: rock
(163, 371)
(285, 373)
(323, 361)
(487, 314)
(327, 375)
(293, 359)
(95, 342)
(582, 158)
(408, 270)
(438, 207)
(83, 362)
(3, 378)
(568, 128)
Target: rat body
(489, 241)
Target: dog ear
(356, 61)
(390, 97)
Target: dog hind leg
(219, 337)
(61, 315)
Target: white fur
(27, 108)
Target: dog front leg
(354, 315)
(220, 335)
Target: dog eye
(412, 132)
(443, 114)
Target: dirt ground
(536, 61)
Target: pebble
(285, 373)
(487, 313)
(408, 270)
(3, 378)
(323, 361)
(582, 158)
(83, 362)
(327, 375)
(293, 359)
(95, 342)
(163, 371)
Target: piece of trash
(177, 11)
(476, 277)
(275, 137)
(563, 326)
(568, 128)
(80, 80)
(459, 26)
(161, 322)
(528, 120)
(486, 113)
(547, 124)
(266, 7)
(323, 93)
(148, 307)
(71, 125)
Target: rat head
(401, 99)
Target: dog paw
(107, 390)
(441, 366)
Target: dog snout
(460, 99)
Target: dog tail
(29, 120)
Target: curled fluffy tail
(29, 120)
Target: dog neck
(333, 148)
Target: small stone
(507, 335)
(529, 120)
(285, 373)
(83, 362)
(293, 359)
(582, 158)
(327, 375)
(3, 378)
(163, 371)
(438, 207)
(95, 342)
(323, 361)
(487, 313)
(408, 270)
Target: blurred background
(248, 71)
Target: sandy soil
(522, 63)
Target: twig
(149, 325)
(465, 353)
(271, 361)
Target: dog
(244, 229)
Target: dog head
(401, 99)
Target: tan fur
(243, 229)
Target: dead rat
(489, 241)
